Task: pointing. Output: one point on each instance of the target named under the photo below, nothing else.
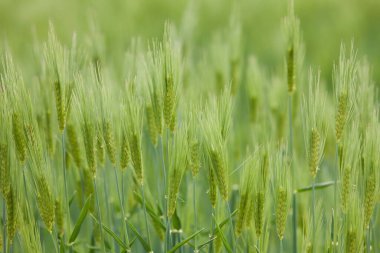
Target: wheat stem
(211, 245)
(4, 226)
(100, 215)
(368, 240)
(54, 242)
(281, 246)
(335, 193)
(290, 150)
(125, 237)
(106, 195)
(65, 181)
(145, 216)
(167, 235)
(165, 205)
(195, 212)
(290, 119)
(294, 221)
(313, 214)
(231, 226)
(258, 245)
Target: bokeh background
(325, 25)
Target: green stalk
(68, 220)
(54, 242)
(294, 221)
(313, 214)
(211, 245)
(290, 150)
(4, 226)
(165, 204)
(290, 147)
(109, 219)
(195, 213)
(335, 194)
(368, 240)
(231, 227)
(145, 216)
(258, 245)
(125, 237)
(122, 188)
(100, 215)
(281, 247)
(167, 239)
(106, 196)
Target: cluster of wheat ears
(184, 154)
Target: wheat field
(198, 126)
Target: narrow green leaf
(139, 236)
(80, 220)
(316, 186)
(222, 237)
(225, 221)
(151, 211)
(113, 235)
(72, 198)
(206, 243)
(178, 245)
(132, 242)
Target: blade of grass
(82, 216)
(316, 186)
(114, 236)
(143, 242)
(150, 211)
(222, 237)
(178, 245)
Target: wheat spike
(220, 171)
(59, 218)
(4, 169)
(351, 242)
(281, 211)
(136, 155)
(90, 145)
(177, 168)
(341, 115)
(60, 105)
(11, 214)
(315, 143)
(74, 146)
(369, 199)
(212, 185)
(19, 137)
(194, 158)
(346, 185)
(124, 153)
(45, 203)
(109, 139)
(100, 149)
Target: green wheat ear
(177, 167)
(294, 51)
(12, 210)
(345, 82)
(282, 192)
(4, 169)
(313, 112)
(172, 76)
(45, 202)
(246, 196)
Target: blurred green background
(325, 25)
